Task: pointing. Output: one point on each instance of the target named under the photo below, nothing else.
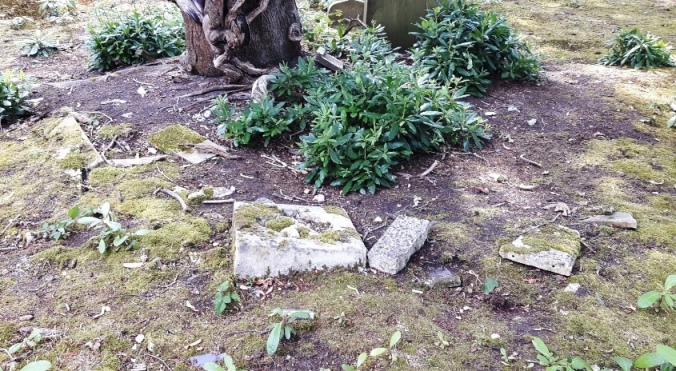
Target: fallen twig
(161, 360)
(275, 161)
(211, 90)
(7, 227)
(373, 230)
(173, 194)
(473, 154)
(429, 169)
(9, 248)
(530, 161)
(99, 113)
(163, 174)
(110, 145)
(214, 202)
(143, 83)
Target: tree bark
(241, 37)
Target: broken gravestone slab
(616, 219)
(402, 239)
(553, 248)
(353, 9)
(272, 239)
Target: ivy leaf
(667, 353)
(648, 299)
(648, 360)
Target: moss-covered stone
(111, 131)
(548, 237)
(73, 161)
(175, 138)
(253, 214)
(279, 223)
(334, 209)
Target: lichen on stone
(549, 237)
(279, 223)
(111, 131)
(253, 214)
(73, 161)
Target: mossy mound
(175, 138)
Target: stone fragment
(617, 219)
(222, 192)
(346, 9)
(327, 60)
(552, 248)
(273, 239)
(443, 277)
(572, 287)
(402, 239)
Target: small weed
(507, 358)
(377, 352)
(554, 363)
(664, 357)
(61, 229)
(489, 285)
(225, 296)
(13, 93)
(38, 45)
(135, 38)
(18, 23)
(283, 329)
(112, 234)
(664, 298)
(441, 342)
(227, 362)
(32, 366)
(638, 50)
(575, 3)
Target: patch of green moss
(253, 214)
(151, 209)
(304, 232)
(111, 131)
(74, 160)
(334, 209)
(455, 233)
(139, 188)
(7, 332)
(279, 223)
(175, 138)
(222, 226)
(106, 176)
(166, 241)
(332, 236)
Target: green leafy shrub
(112, 234)
(38, 45)
(457, 40)
(135, 38)
(13, 92)
(638, 50)
(370, 45)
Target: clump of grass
(638, 50)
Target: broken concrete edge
(405, 236)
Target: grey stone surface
(402, 239)
(398, 17)
(328, 61)
(443, 277)
(617, 219)
(346, 9)
(273, 239)
(552, 248)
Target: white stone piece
(572, 287)
(617, 219)
(553, 248)
(346, 9)
(274, 239)
(403, 238)
(443, 277)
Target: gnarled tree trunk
(239, 37)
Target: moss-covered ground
(601, 141)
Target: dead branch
(161, 360)
(429, 169)
(173, 194)
(211, 90)
(110, 145)
(7, 227)
(163, 174)
(215, 202)
(522, 157)
(473, 154)
(275, 161)
(143, 83)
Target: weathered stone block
(346, 9)
(552, 248)
(273, 239)
(616, 219)
(402, 239)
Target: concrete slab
(553, 248)
(616, 219)
(274, 239)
